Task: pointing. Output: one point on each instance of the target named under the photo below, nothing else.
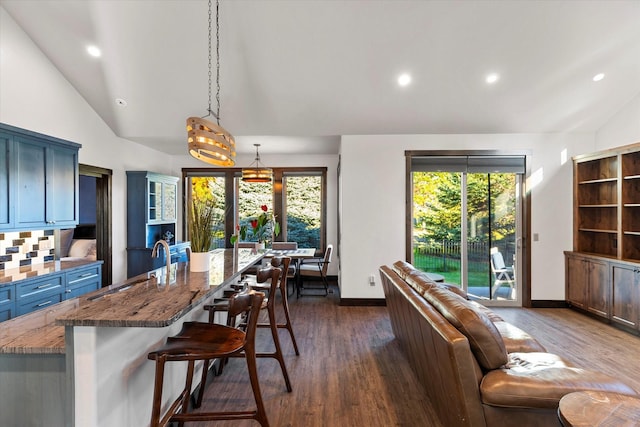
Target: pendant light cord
(209, 111)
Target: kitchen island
(103, 377)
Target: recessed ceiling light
(121, 102)
(598, 77)
(404, 79)
(94, 51)
(492, 78)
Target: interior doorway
(95, 207)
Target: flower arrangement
(261, 228)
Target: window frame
(279, 197)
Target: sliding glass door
(466, 223)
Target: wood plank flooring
(584, 341)
(351, 371)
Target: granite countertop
(12, 275)
(141, 301)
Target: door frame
(103, 218)
(525, 201)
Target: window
(466, 221)
(297, 197)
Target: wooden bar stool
(264, 275)
(283, 263)
(205, 341)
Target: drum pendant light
(255, 172)
(209, 141)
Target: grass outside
(479, 274)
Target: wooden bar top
(141, 301)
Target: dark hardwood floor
(582, 340)
(351, 371)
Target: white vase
(199, 261)
(260, 246)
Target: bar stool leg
(157, 393)
(287, 325)
(261, 414)
(274, 333)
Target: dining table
(296, 255)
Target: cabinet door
(7, 302)
(625, 295)
(62, 186)
(598, 295)
(31, 183)
(6, 205)
(47, 184)
(577, 280)
(169, 204)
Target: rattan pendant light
(209, 141)
(255, 172)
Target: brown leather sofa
(477, 369)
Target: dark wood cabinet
(603, 271)
(588, 285)
(577, 277)
(38, 180)
(625, 280)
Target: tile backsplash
(18, 248)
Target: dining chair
(314, 268)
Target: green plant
(202, 219)
(263, 226)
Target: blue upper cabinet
(6, 163)
(42, 186)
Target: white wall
(623, 128)
(373, 202)
(35, 96)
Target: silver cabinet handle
(42, 304)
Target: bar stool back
(205, 341)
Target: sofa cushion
(484, 339)
(486, 310)
(539, 380)
(516, 340)
(420, 281)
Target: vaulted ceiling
(319, 69)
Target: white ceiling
(319, 68)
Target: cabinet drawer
(51, 284)
(83, 277)
(39, 303)
(81, 290)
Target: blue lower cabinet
(82, 281)
(39, 303)
(7, 302)
(39, 288)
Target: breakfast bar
(88, 355)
